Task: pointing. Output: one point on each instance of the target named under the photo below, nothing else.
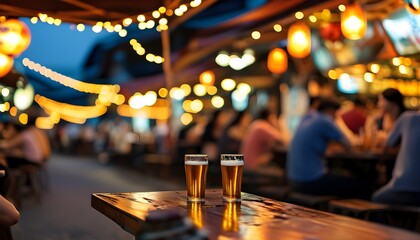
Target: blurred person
(2, 127)
(403, 188)
(162, 137)
(9, 215)
(390, 106)
(355, 117)
(231, 139)
(10, 130)
(101, 140)
(70, 136)
(351, 120)
(187, 142)
(260, 141)
(212, 133)
(29, 145)
(306, 167)
(122, 139)
(314, 103)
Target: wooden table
(255, 218)
(364, 155)
(365, 164)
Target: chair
(407, 217)
(355, 207)
(28, 179)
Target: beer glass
(196, 173)
(232, 165)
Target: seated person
(390, 107)
(355, 117)
(211, 135)
(231, 139)
(28, 145)
(404, 186)
(260, 139)
(306, 167)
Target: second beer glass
(232, 165)
(196, 173)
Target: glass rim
(196, 158)
(231, 157)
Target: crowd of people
(327, 127)
(389, 128)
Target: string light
(141, 18)
(81, 112)
(186, 118)
(299, 15)
(68, 81)
(156, 112)
(277, 27)
(139, 49)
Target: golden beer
(232, 167)
(196, 173)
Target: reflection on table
(255, 218)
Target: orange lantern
(207, 78)
(353, 22)
(6, 64)
(413, 6)
(14, 37)
(277, 61)
(299, 40)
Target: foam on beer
(192, 159)
(232, 160)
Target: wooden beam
(17, 11)
(167, 65)
(196, 53)
(191, 13)
(94, 10)
(167, 69)
(82, 5)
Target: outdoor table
(254, 218)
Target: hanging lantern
(6, 64)
(331, 31)
(14, 37)
(299, 40)
(353, 22)
(413, 6)
(277, 61)
(207, 78)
